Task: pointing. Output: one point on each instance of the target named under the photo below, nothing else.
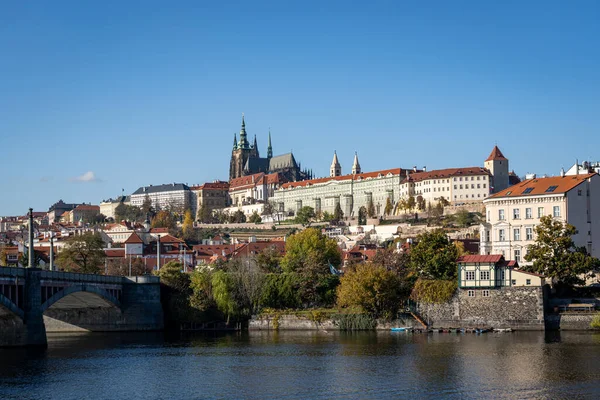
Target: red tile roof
(479, 258)
(134, 238)
(253, 180)
(540, 186)
(114, 253)
(170, 239)
(84, 207)
(448, 173)
(375, 174)
(530, 273)
(496, 154)
(159, 230)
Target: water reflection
(313, 364)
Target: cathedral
(246, 160)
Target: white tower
(336, 168)
(355, 165)
(497, 164)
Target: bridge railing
(13, 272)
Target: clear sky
(96, 97)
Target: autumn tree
(421, 203)
(147, 205)
(269, 259)
(388, 207)
(120, 267)
(410, 203)
(434, 256)
(164, 219)
(371, 209)
(555, 255)
(188, 223)
(463, 218)
(82, 253)
(204, 214)
(375, 289)
(3, 256)
(338, 214)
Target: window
(486, 293)
(484, 185)
(501, 215)
(516, 213)
(556, 211)
(478, 185)
(540, 212)
(513, 282)
(517, 234)
(528, 214)
(529, 233)
(501, 236)
(471, 293)
(528, 281)
(551, 189)
(461, 186)
(472, 186)
(528, 190)
(578, 192)
(470, 275)
(518, 255)
(484, 275)
(454, 185)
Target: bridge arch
(69, 290)
(10, 306)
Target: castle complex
(246, 160)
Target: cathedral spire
(255, 144)
(234, 140)
(356, 165)
(243, 139)
(270, 148)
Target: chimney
(424, 168)
(415, 168)
(562, 172)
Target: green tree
(280, 291)
(327, 217)
(255, 218)
(373, 288)
(175, 293)
(310, 245)
(124, 212)
(388, 207)
(223, 291)
(82, 253)
(420, 203)
(147, 205)
(362, 216)
(204, 214)
(555, 255)
(201, 297)
(269, 259)
(371, 209)
(434, 257)
(463, 218)
(237, 217)
(305, 215)
(338, 214)
(444, 202)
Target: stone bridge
(34, 301)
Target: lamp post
(30, 250)
(158, 252)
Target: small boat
(400, 329)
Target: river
(305, 365)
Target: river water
(305, 365)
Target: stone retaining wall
(294, 322)
(507, 307)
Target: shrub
(433, 291)
(595, 324)
(355, 322)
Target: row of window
(516, 234)
(484, 293)
(467, 196)
(483, 275)
(528, 213)
(472, 178)
(479, 186)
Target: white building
(513, 214)
(108, 207)
(252, 189)
(169, 196)
(586, 168)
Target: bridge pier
(33, 316)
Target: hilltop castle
(245, 160)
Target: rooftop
(543, 186)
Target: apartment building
(513, 214)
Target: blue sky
(96, 97)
